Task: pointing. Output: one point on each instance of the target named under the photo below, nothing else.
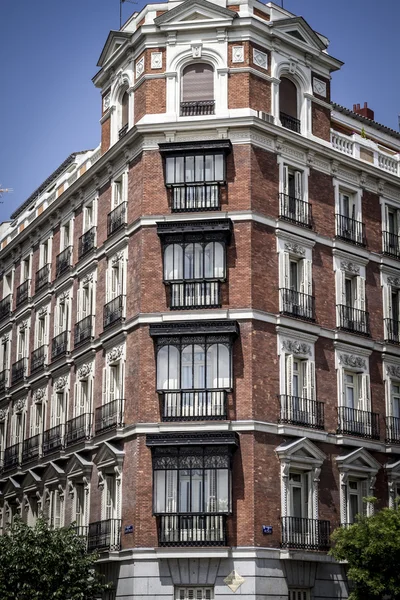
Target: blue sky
(49, 50)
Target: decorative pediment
(11, 488)
(78, 466)
(301, 451)
(195, 10)
(108, 455)
(298, 29)
(53, 474)
(360, 461)
(31, 481)
(114, 41)
(393, 469)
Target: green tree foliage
(41, 563)
(371, 547)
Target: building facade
(200, 359)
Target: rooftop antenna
(121, 2)
(5, 191)
(399, 121)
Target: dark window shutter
(197, 83)
(288, 98)
(125, 109)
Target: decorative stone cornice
(60, 383)
(38, 395)
(85, 370)
(350, 267)
(395, 281)
(117, 257)
(23, 325)
(296, 347)
(19, 405)
(295, 248)
(115, 354)
(353, 361)
(393, 371)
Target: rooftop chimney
(364, 112)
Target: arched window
(288, 105)
(124, 114)
(197, 90)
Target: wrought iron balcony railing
(19, 370)
(360, 423)
(392, 331)
(197, 108)
(301, 411)
(350, 230)
(192, 530)
(4, 380)
(290, 122)
(6, 307)
(296, 304)
(81, 530)
(42, 277)
(87, 242)
(305, 534)
(116, 218)
(392, 430)
(391, 244)
(109, 416)
(11, 457)
(195, 294)
(59, 345)
(113, 311)
(78, 429)
(104, 535)
(53, 439)
(23, 292)
(83, 330)
(295, 210)
(123, 131)
(38, 358)
(187, 197)
(31, 448)
(63, 261)
(191, 405)
(353, 319)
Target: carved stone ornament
(319, 87)
(156, 60)
(3, 414)
(196, 50)
(350, 360)
(115, 354)
(63, 297)
(85, 370)
(350, 267)
(60, 383)
(393, 371)
(87, 279)
(260, 58)
(43, 312)
(23, 325)
(19, 405)
(234, 581)
(106, 101)
(38, 395)
(295, 248)
(238, 54)
(139, 67)
(295, 347)
(5, 338)
(117, 257)
(394, 281)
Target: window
(355, 416)
(194, 593)
(79, 505)
(25, 269)
(17, 428)
(195, 168)
(293, 205)
(41, 329)
(58, 409)
(55, 508)
(118, 194)
(33, 510)
(7, 284)
(391, 231)
(299, 594)
(5, 353)
(83, 397)
(295, 280)
(36, 419)
(392, 389)
(288, 105)
(124, 112)
(61, 321)
(45, 253)
(391, 308)
(350, 297)
(88, 217)
(113, 382)
(66, 236)
(22, 343)
(197, 90)
(349, 226)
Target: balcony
(23, 292)
(63, 261)
(19, 370)
(123, 131)
(5, 307)
(31, 448)
(52, 439)
(289, 122)
(360, 423)
(195, 294)
(113, 311)
(353, 320)
(59, 345)
(366, 150)
(295, 211)
(392, 331)
(305, 534)
(296, 304)
(350, 230)
(192, 530)
(83, 331)
(104, 535)
(392, 430)
(11, 457)
(197, 108)
(192, 405)
(302, 412)
(116, 219)
(188, 197)
(87, 242)
(4, 380)
(38, 358)
(42, 277)
(391, 244)
(78, 429)
(109, 416)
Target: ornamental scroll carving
(295, 248)
(23, 325)
(350, 267)
(19, 405)
(295, 347)
(117, 257)
(115, 354)
(63, 297)
(393, 371)
(3, 414)
(395, 281)
(38, 395)
(350, 360)
(43, 312)
(5, 338)
(87, 279)
(84, 371)
(60, 383)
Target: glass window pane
(219, 167)
(187, 367)
(199, 168)
(218, 367)
(223, 490)
(170, 169)
(209, 167)
(197, 491)
(179, 169)
(173, 262)
(189, 168)
(199, 367)
(184, 491)
(189, 261)
(168, 368)
(198, 261)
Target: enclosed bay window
(391, 231)
(197, 96)
(350, 298)
(288, 105)
(349, 226)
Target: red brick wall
(321, 121)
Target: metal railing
(113, 311)
(53, 439)
(295, 210)
(360, 423)
(392, 430)
(83, 330)
(195, 294)
(23, 292)
(116, 218)
(81, 530)
(305, 534)
(11, 457)
(109, 415)
(296, 304)
(4, 380)
(290, 122)
(192, 530)
(189, 405)
(123, 131)
(391, 244)
(187, 197)
(38, 358)
(197, 108)
(301, 411)
(350, 230)
(78, 429)
(42, 277)
(63, 261)
(353, 319)
(31, 448)
(87, 242)
(392, 331)
(6, 306)
(59, 345)
(104, 535)
(19, 370)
